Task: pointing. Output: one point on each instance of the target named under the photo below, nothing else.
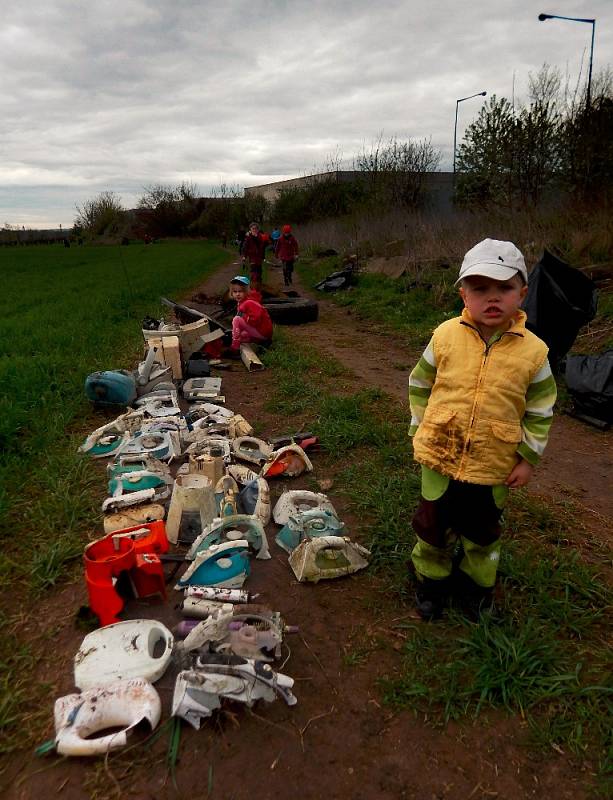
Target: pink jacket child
(252, 322)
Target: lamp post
(455, 130)
(592, 22)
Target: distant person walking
(275, 235)
(252, 252)
(287, 252)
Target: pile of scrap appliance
(188, 503)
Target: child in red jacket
(287, 252)
(252, 322)
(253, 250)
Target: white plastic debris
(121, 651)
(327, 557)
(123, 704)
(199, 692)
(192, 504)
(294, 502)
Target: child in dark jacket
(253, 250)
(252, 322)
(287, 252)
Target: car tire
(292, 310)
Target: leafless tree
(99, 215)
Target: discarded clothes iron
(308, 524)
(196, 389)
(232, 529)
(327, 557)
(122, 704)
(138, 648)
(158, 444)
(289, 461)
(238, 426)
(211, 445)
(248, 448)
(225, 564)
(296, 501)
(192, 507)
(254, 499)
(104, 444)
(122, 498)
(226, 496)
(136, 515)
(199, 692)
(133, 478)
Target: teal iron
(308, 525)
(230, 529)
(134, 479)
(225, 565)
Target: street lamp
(455, 130)
(592, 22)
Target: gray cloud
(124, 93)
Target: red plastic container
(105, 559)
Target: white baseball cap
(494, 259)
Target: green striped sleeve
(421, 381)
(540, 399)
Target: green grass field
(65, 313)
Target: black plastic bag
(342, 279)
(590, 383)
(559, 302)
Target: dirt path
(340, 741)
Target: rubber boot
(431, 598)
(476, 601)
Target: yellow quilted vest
(472, 424)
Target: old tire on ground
(291, 310)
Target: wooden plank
(250, 360)
(172, 356)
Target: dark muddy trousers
(255, 276)
(465, 515)
(288, 268)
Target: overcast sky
(120, 94)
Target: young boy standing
(481, 400)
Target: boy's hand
(520, 475)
